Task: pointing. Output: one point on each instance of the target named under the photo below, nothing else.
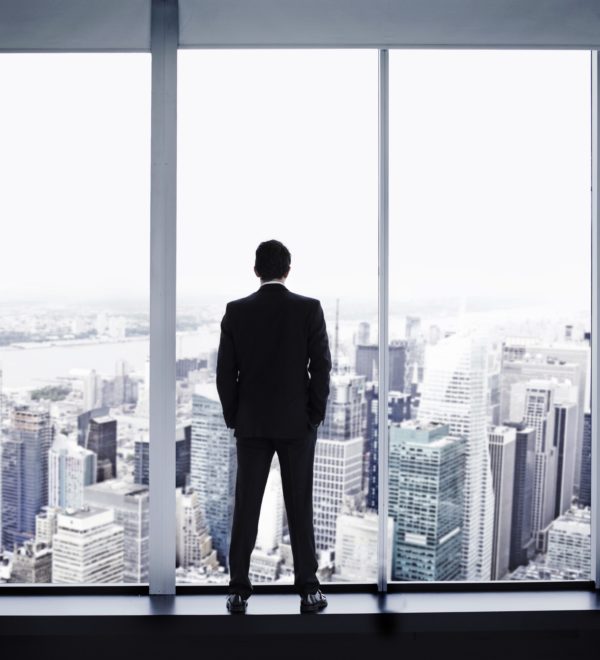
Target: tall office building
(101, 438)
(142, 408)
(124, 388)
(87, 547)
(45, 525)
(337, 481)
(24, 477)
(213, 466)
(522, 542)
(130, 506)
(531, 367)
(569, 544)
(399, 410)
(183, 366)
(565, 436)
(502, 447)
(90, 386)
(338, 466)
(562, 354)
(367, 356)
(345, 416)
(426, 478)
(183, 439)
(193, 542)
(270, 523)
(538, 402)
(454, 393)
(71, 469)
(494, 387)
(83, 422)
(356, 547)
(412, 327)
(364, 333)
(32, 563)
(585, 478)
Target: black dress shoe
(237, 604)
(313, 602)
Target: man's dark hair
(272, 260)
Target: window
(490, 278)
(74, 200)
(490, 368)
(277, 144)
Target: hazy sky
(489, 182)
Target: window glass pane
(490, 280)
(277, 144)
(74, 210)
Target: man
(273, 370)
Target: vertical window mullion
(164, 38)
(595, 190)
(383, 305)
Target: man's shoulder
(305, 300)
(297, 298)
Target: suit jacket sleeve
(319, 365)
(227, 371)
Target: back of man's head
(273, 260)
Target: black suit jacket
(273, 364)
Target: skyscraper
(90, 386)
(32, 563)
(399, 409)
(561, 353)
(87, 547)
(367, 356)
(455, 393)
(183, 438)
(213, 466)
(522, 543)
(565, 437)
(270, 523)
(25, 472)
(337, 480)
(426, 476)
(502, 447)
(346, 408)
(102, 440)
(585, 479)
(364, 333)
(536, 399)
(413, 327)
(193, 542)
(83, 422)
(550, 407)
(569, 544)
(130, 506)
(338, 466)
(356, 547)
(71, 468)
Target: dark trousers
(296, 458)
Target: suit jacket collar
(272, 287)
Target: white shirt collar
(272, 282)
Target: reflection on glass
(74, 203)
(279, 144)
(490, 293)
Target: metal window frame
(383, 320)
(595, 324)
(164, 44)
(163, 275)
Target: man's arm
(227, 372)
(319, 365)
